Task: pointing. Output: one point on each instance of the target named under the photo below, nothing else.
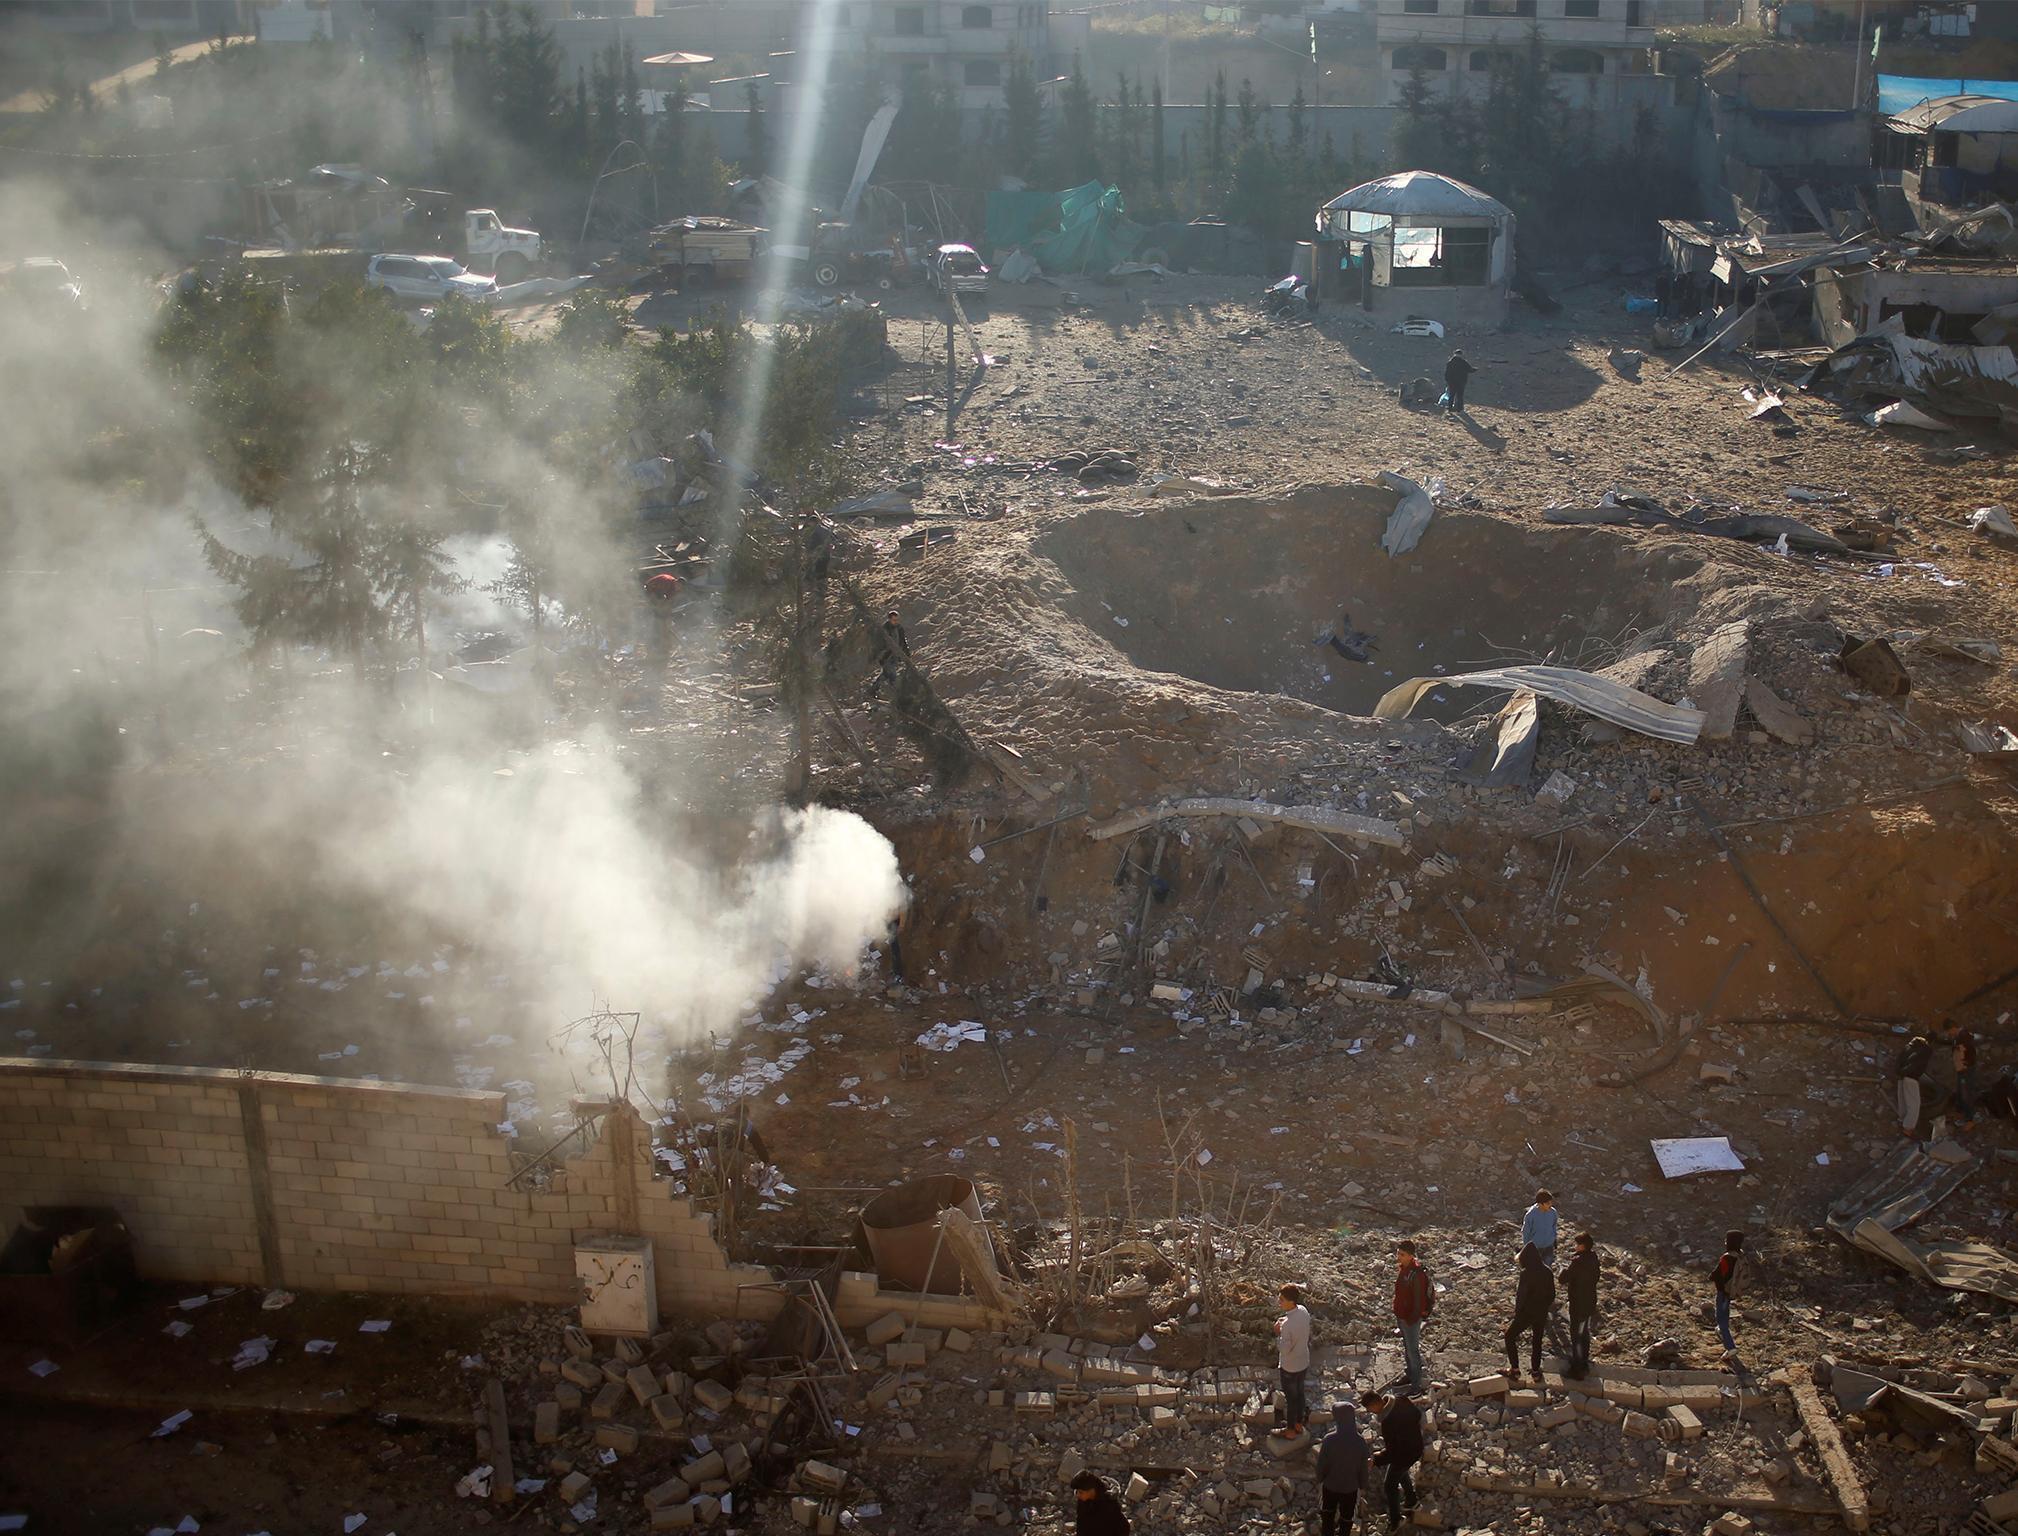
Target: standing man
(1581, 1281)
(1962, 1050)
(1533, 1296)
(1292, 1358)
(895, 644)
(1729, 1277)
(1099, 1512)
(1414, 1300)
(1456, 374)
(1400, 1449)
(1915, 1061)
(1341, 1472)
(1539, 1226)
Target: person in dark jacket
(1341, 1472)
(1533, 1297)
(1400, 1449)
(1456, 374)
(1581, 1281)
(1099, 1511)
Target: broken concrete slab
(1717, 677)
(1776, 717)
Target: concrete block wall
(165, 1146)
(335, 1184)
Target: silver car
(427, 279)
(958, 269)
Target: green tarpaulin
(1082, 229)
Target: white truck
(485, 242)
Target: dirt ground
(1738, 886)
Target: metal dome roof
(1420, 193)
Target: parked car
(958, 269)
(427, 279)
(41, 280)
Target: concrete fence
(317, 1183)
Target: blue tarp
(1897, 93)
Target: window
(1577, 61)
(1418, 7)
(1440, 258)
(984, 72)
(978, 18)
(1486, 60)
(1415, 56)
(1499, 7)
(908, 21)
(1633, 18)
(1580, 10)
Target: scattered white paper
(191, 1303)
(607, 1456)
(351, 1523)
(275, 1300)
(1147, 1343)
(977, 853)
(320, 1347)
(177, 1328)
(1204, 1156)
(13, 1522)
(1822, 1158)
(474, 1484)
(44, 1368)
(171, 1424)
(529, 1485)
(1683, 1157)
(375, 1325)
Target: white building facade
(1457, 43)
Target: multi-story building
(1457, 43)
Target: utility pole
(1857, 88)
(952, 376)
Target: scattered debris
(1587, 691)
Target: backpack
(1916, 1057)
(1736, 1282)
(1428, 1289)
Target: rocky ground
(1148, 1001)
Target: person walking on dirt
(1341, 1472)
(1581, 1281)
(1400, 1449)
(1098, 1511)
(1292, 1358)
(1414, 1300)
(1533, 1296)
(1456, 374)
(1729, 1279)
(894, 644)
(1962, 1052)
(1915, 1061)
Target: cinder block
(673, 1490)
(677, 1383)
(546, 1423)
(884, 1329)
(629, 1351)
(1549, 1418)
(673, 1517)
(713, 1396)
(583, 1373)
(959, 1340)
(574, 1485)
(606, 1401)
(700, 1471)
(906, 1354)
(621, 1438)
(1640, 1426)
(1488, 1386)
(735, 1461)
(666, 1411)
(643, 1384)
(568, 1395)
(1688, 1426)
(1519, 1401)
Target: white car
(958, 268)
(428, 279)
(42, 280)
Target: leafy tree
(1251, 107)
(925, 139)
(1078, 157)
(1299, 126)
(1215, 138)
(1418, 141)
(756, 134)
(1023, 118)
(1157, 169)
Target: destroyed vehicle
(42, 281)
(427, 279)
(956, 269)
(486, 242)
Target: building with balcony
(963, 45)
(1456, 44)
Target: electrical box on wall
(620, 1293)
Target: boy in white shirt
(1292, 1357)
